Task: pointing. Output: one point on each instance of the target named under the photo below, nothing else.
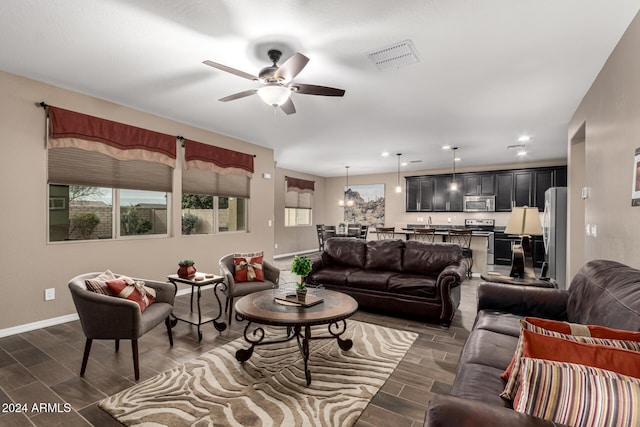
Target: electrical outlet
(588, 230)
(49, 294)
(276, 246)
(594, 230)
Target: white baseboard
(38, 325)
(308, 251)
(63, 319)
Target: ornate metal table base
(196, 318)
(257, 337)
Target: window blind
(216, 171)
(88, 150)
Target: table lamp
(525, 222)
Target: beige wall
(611, 113)
(28, 264)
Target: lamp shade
(274, 95)
(524, 221)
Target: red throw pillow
(593, 331)
(579, 333)
(248, 267)
(127, 288)
(537, 346)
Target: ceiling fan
(277, 82)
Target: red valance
(300, 185)
(68, 129)
(220, 160)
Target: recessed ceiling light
(457, 159)
(404, 164)
(385, 154)
(524, 138)
(446, 147)
(522, 153)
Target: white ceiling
(489, 70)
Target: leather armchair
(111, 318)
(227, 269)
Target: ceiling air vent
(394, 56)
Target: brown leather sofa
(603, 293)
(396, 276)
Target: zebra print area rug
(269, 389)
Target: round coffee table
(262, 309)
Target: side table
(196, 318)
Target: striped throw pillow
(513, 371)
(578, 395)
(99, 283)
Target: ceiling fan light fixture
(274, 95)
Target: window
(215, 188)
(142, 212)
(297, 202)
(297, 216)
(232, 214)
(200, 217)
(78, 212)
(100, 171)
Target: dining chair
(320, 232)
(354, 230)
(328, 232)
(463, 238)
(385, 232)
(364, 231)
(424, 234)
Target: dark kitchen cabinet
(504, 244)
(479, 184)
(538, 251)
(445, 199)
(545, 179)
(513, 188)
(522, 188)
(419, 196)
(504, 192)
(502, 248)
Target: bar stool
(385, 232)
(425, 234)
(463, 238)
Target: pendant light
(454, 184)
(398, 187)
(345, 199)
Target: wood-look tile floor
(42, 367)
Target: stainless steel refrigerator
(554, 233)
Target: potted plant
(186, 270)
(301, 266)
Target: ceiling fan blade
(317, 90)
(291, 67)
(238, 95)
(230, 70)
(288, 107)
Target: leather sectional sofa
(604, 293)
(403, 277)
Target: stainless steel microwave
(479, 204)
